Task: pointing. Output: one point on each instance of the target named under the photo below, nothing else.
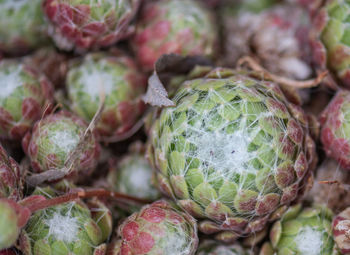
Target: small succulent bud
(68, 228)
(302, 231)
(134, 177)
(334, 133)
(157, 229)
(55, 138)
(165, 26)
(89, 24)
(24, 97)
(22, 26)
(330, 44)
(118, 79)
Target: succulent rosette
(120, 82)
(215, 248)
(302, 231)
(157, 229)
(341, 231)
(276, 36)
(334, 122)
(183, 27)
(134, 176)
(25, 94)
(330, 42)
(85, 24)
(55, 138)
(70, 228)
(10, 177)
(22, 26)
(232, 152)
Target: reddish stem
(83, 194)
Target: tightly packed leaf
(22, 26)
(341, 231)
(85, 24)
(67, 229)
(214, 248)
(157, 229)
(10, 177)
(24, 96)
(334, 134)
(55, 138)
(302, 231)
(183, 27)
(134, 176)
(331, 39)
(277, 37)
(118, 79)
(233, 150)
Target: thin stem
(83, 194)
(283, 81)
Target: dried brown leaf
(168, 66)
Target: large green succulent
(22, 26)
(233, 150)
(302, 231)
(121, 83)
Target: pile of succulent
(183, 127)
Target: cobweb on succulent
(61, 222)
(309, 241)
(212, 137)
(122, 6)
